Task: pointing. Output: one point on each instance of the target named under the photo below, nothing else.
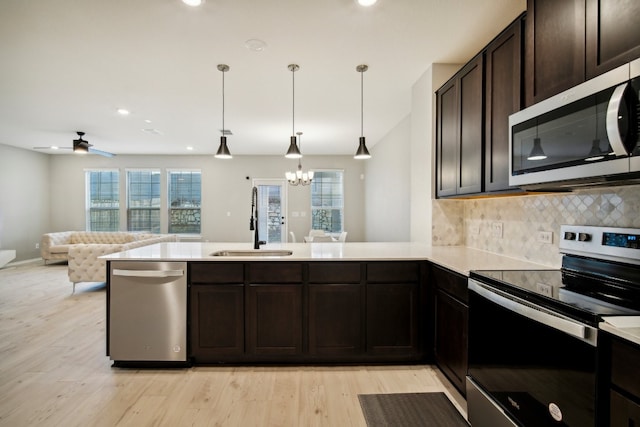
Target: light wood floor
(54, 372)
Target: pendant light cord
(223, 103)
(361, 103)
(293, 101)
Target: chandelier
(298, 177)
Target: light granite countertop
(457, 258)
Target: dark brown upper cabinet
(460, 128)
(554, 47)
(612, 34)
(570, 41)
(503, 59)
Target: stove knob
(569, 235)
(584, 237)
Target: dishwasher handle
(536, 313)
(148, 273)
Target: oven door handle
(536, 313)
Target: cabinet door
(335, 319)
(503, 64)
(613, 34)
(447, 137)
(554, 47)
(451, 331)
(274, 320)
(392, 318)
(470, 127)
(217, 322)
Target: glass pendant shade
(362, 152)
(223, 150)
(537, 153)
(293, 152)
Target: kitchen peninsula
(323, 303)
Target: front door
(272, 208)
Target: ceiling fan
(79, 146)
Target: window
(327, 201)
(143, 200)
(184, 202)
(103, 200)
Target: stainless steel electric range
(533, 335)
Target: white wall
(387, 197)
(225, 189)
(24, 200)
(422, 143)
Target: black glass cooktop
(577, 296)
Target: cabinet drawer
(275, 272)
(334, 272)
(393, 272)
(624, 412)
(453, 283)
(232, 272)
(625, 359)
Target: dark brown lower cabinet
(451, 338)
(335, 320)
(392, 318)
(274, 320)
(625, 384)
(280, 312)
(217, 322)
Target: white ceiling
(67, 65)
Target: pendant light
(537, 153)
(298, 177)
(223, 151)
(362, 152)
(293, 152)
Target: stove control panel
(616, 244)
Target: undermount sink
(255, 252)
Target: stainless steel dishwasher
(147, 304)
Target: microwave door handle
(613, 133)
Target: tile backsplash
(471, 222)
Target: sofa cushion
(59, 249)
(101, 237)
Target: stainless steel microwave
(585, 136)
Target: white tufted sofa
(83, 248)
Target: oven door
(536, 367)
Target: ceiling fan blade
(52, 148)
(100, 152)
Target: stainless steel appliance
(147, 312)
(587, 135)
(533, 335)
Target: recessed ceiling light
(190, 148)
(366, 3)
(152, 131)
(123, 111)
(53, 147)
(147, 121)
(193, 3)
(255, 45)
